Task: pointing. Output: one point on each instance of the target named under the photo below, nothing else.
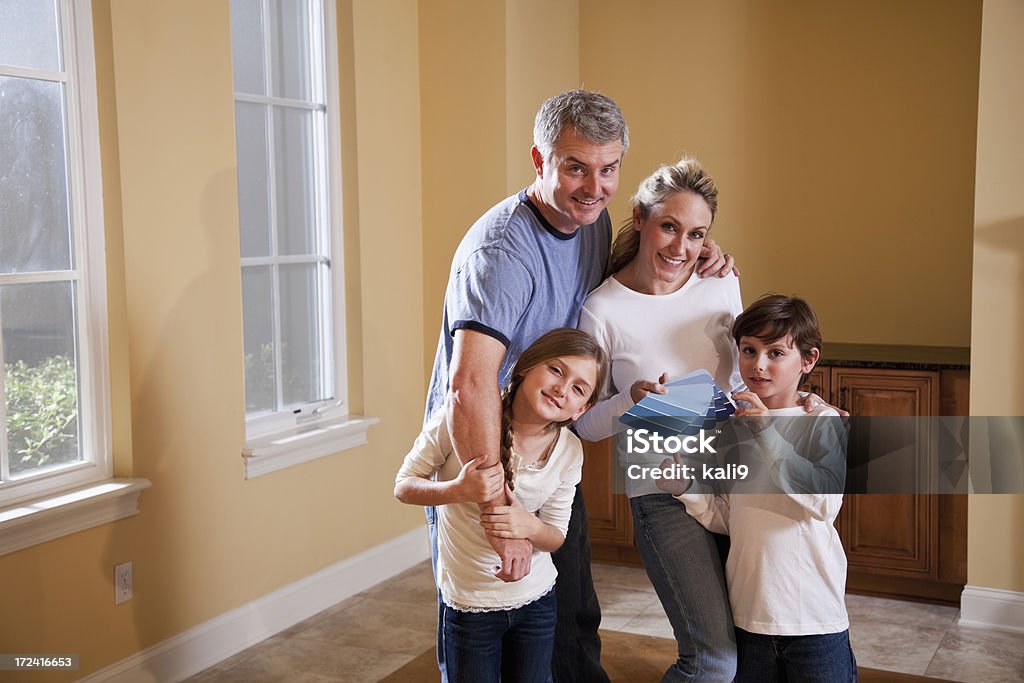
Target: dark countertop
(896, 357)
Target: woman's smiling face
(671, 237)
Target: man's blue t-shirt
(514, 277)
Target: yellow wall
(201, 543)
(996, 522)
(842, 137)
(485, 67)
(542, 50)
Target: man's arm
(474, 400)
(474, 422)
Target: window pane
(253, 190)
(300, 334)
(247, 46)
(28, 34)
(37, 323)
(293, 166)
(258, 321)
(290, 48)
(34, 225)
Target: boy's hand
(756, 417)
(477, 484)
(509, 521)
(676, 487)
(642, 387)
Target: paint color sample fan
(693, 402)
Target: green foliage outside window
(42, 413)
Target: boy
(786, 570)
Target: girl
(492, 630)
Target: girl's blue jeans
(511, 646)
(827, 658)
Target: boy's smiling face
(772, 370)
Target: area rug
(629, 658)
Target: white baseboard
(188, 653)
(992, 608)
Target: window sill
(44, 519)
(303, 443)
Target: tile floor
(379, 630)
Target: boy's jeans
(511, 646)
(825, 658)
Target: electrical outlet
(122, 583)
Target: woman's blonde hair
(687, 175)
(562, 341)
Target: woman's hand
(477, 484)
(510, 521)
(643, 387)
(756, 417)
(810, 403)
(713, 261)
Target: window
(286, 123)
(53, 410)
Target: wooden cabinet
(897, 545)
(902, 545)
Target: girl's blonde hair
(687, 175)
(563, 341)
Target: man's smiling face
(575, 185)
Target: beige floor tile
(867, 610)
(319, 616)
(624, 577)
(651, 622)
(969, 654)
(620, 605)
(312, 661)
(415, 585)
(378, 624)
(904, 648)
(212, 673)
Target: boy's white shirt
(466, 561)
(786, 570)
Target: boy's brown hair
(774, 316)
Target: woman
(657, 319)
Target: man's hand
(713, 261)
(642, 387)
(478, 482)
(516, 555)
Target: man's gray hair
(594, 116)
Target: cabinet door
(889, 534)
(611, 524)
(886, 392)
(818, 382)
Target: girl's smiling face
(556, 390)
(671, 237)
(772, 370)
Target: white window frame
(295, 435)
(77, 496)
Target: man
(524, 268)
